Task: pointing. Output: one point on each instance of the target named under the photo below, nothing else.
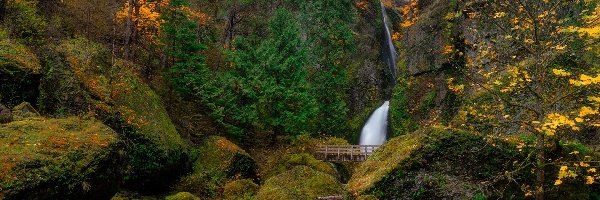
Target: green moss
(381, 163)
(182, 196)
(219, 161)
(57, 158)
(305, 159)
(16, 57)
(301, 182)
(240, 189)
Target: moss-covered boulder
(218, 161)
(291, 161)
(19, 72)
(301, 182)
(182, 196)
(70, 158)
(442, 163)
(128, 105)
(240, 189)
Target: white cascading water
(389, 51)
(375, 130)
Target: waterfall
(389, 51)
(375, 130)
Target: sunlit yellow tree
(534, 63)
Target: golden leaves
(410, 14)
(560, 72)
(499, 14)
(585, 80)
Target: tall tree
(327, 26)
(531, 64)
(182, 48)
(270, 82)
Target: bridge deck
(351, 153)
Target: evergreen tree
(179, 37)
(270, 82)
(327, 25)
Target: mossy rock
(16, 58)
(130, 106)
(70, 158)
(382, 162)
(19, 72)
(219, 161)
(182, 196)
(443, 163)
(304, 159)
(240, 190)
(301, 182)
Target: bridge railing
(353, 153)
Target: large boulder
(70, 158)
(300, 182)
(123, 101)
(442, 163)
(219, 161)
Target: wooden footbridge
(349, 153)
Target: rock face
(425, 39)
(70, 158)
(440, 163)
(218, 161)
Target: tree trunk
(128, 30)
(540, 165)
(2, 9)
(229, 28)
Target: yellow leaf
(557, 182)
(561, 72)
(589, 180)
